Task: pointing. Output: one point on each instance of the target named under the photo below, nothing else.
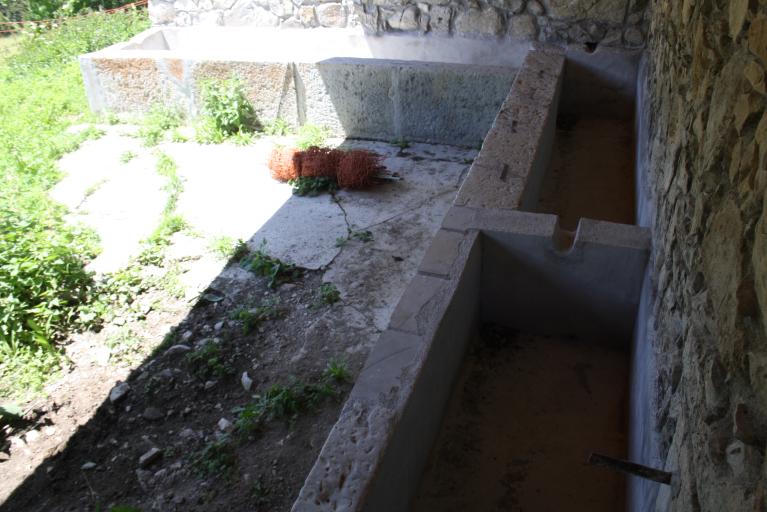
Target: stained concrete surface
(591, 173)
(525, 414)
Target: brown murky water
(591, 173)
(525, 415)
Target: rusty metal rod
(631, 468)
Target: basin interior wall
(591, 173)
(545, 379)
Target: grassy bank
(44, 288)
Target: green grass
(310, 135)
(228, 248)
(43, 282)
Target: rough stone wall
(708, 163)
(608, 22)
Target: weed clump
(357, 169)
(274, 269)
(208, 362)
(287, 402)
(307, 186)
(227, 112)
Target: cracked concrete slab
(227, 191)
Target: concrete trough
(501, 259)
(382, 88)
(493, 266)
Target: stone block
(405, 20)
(608, 11)
(341, 94)
(332, 15)
(523, 27)
(440, 104)
(479, 22)
(439, 19)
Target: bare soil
(269, 466)
(526, 413)
(77, 450)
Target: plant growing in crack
(274, 269)
(327, 294)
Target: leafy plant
(226, 109)
(127, 156)
(337, 370)
(327, 294)
(252, 318)
(277, 127)
(310, 135)
(275, 270)
(208, 362)
(401, 143)
(159, 120)
(363, 236)
(215, 459)
(227, 248)
(312, 186)
(45, 290)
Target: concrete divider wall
(374, 455)
(515, 155)
(356, 98)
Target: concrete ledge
(375, 453)
(515, 155)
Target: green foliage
(312, 185)
(124, 345)
(208, 362)
(310, 135)
(281, 402)
(44, 287)
(127, 156)
(363, 236)
(217, 458)
(252, 318)
(401, 143)
(124, 508)
(159, 120)
(277, 271)
(337, 371)
(277, 127)
(327, 294)
(74, 37)
(177, 136)
(227, 248)
(226, 111)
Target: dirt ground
(526, 413)
(168, 443)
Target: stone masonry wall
(708, 163)
(608, 22)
